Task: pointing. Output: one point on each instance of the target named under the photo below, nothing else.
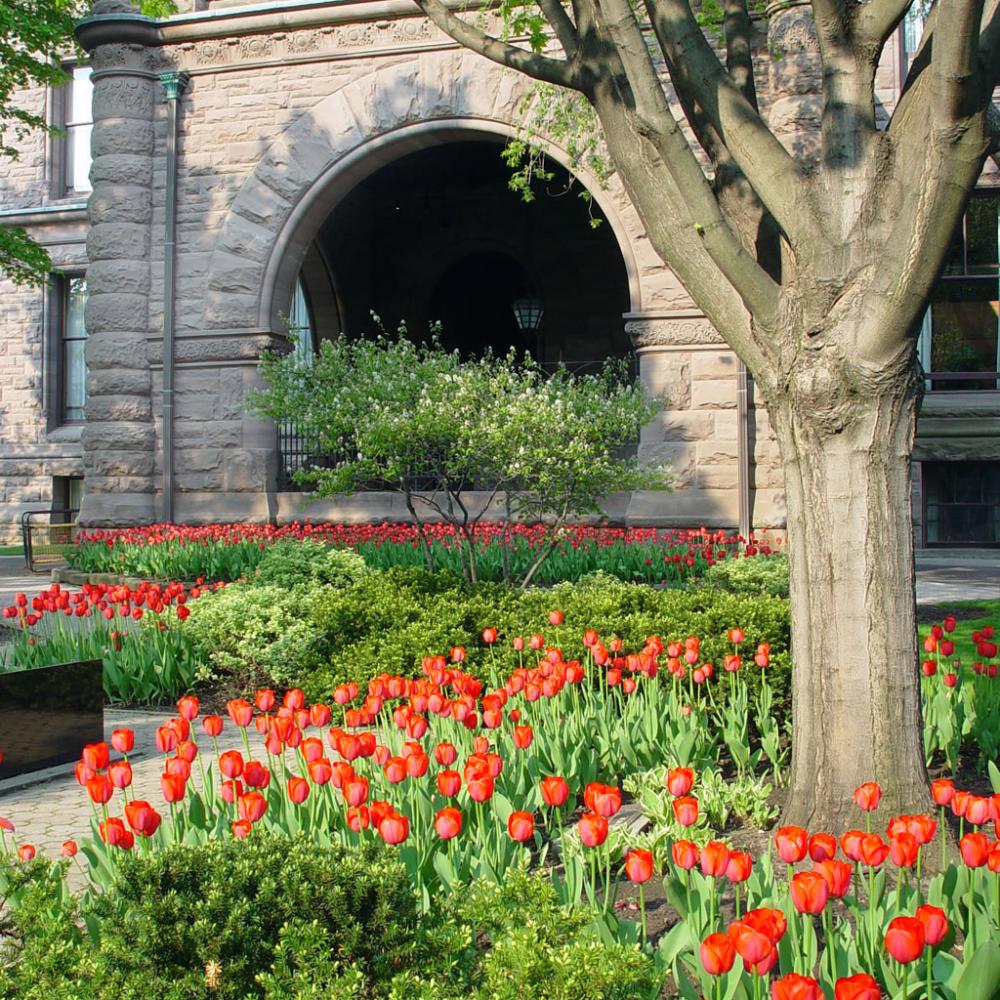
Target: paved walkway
(49, 807)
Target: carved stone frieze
(286, 46)
(666, 332)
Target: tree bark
(845, 435)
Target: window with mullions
(73, 117)
(71, 341)
(961, 503)
(292, 446)
(961, 330)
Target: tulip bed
(468, 780)
(230, 551)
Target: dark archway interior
(437, 235)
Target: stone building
(241, 169)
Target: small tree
(422, 422)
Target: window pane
(964, 325)
(78, 158)
(300, 323)
(74, 342)
(983, 235)
(77, 123)
(963, 502)
(913, 25)
(81, 97)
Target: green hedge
(749, 576)
(388, 622)
(279, 918)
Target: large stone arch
(391, 110)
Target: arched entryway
(437, 237)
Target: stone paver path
(49, 807)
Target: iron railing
(45, 543)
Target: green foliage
(568, 119)
(246, 630)
(305, 563)
(431, 426)
(750, 576)
(283, 919)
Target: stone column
(118, 439)
(682, 357)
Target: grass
(987, 613)
(11, 550)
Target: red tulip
(100, 789)
(809, 892)
(718, 953)
(445, 754)
(796, 987)
(252, 806)
(480, 788)
(639, 866)
(395, 770)
(556, 617)
(979, 810)
(868, 796)
(120, 773)
(231, 763)
(874, 850)
(555, 791)
(934, 922)
(605, 800)
(448, 823)
(715, 858)
(240, 711)
(850, 844)
(95, 756)
(521, 826)
(114, 833)
(142, 817)
(123, 740)
(837, 875)
(355, 791)
(188, 707)
(767, 921)
(993, 859)
(449, 783)
(394, 828)
(859, 987)
(822, 846)
(903, 849)
(320, 771)
(685, 854)
(792, 843)
(256, 775)
(974, 847)
(686, 810)
(740, 866)
(212, 724)
(242, 828)
(680, 780)
(593, 829)
(904, 939)
(489, 636)
(751, 945)
(358, 818)
(298, 790)
(523, 735)
(173, 787)
(26, 852)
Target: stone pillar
(118, 439)
(796, 78)
(682, 357)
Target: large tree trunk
(845, 435)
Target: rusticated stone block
(115, 312)
(122, 135)
(123, 97)
(713, 365)
(231, 273)
(126, 463)
(117, 240)
(107, 350)
(130, 276)
(713, 394)
(680, 425)
(131, 408)
(115, 380)
(120, 203)
(122, 168)
(112, 435)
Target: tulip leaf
(981, 978)
(672, 943)
(444, 868)
(994, 773)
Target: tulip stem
(970, 946)
(642, 912)
(930, 973)
(944, 841)
(906, 984)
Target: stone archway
(372, 120)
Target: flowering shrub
(231, 551)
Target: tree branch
(657, 123)
(875, 21)
(739, 51)
(768, 166)
(560, 72)
(555, 14)
(955, 61)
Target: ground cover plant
(231, 551)
(467, 778)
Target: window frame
(925, 476)
(61, 141)
(58, 308)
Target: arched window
(300, 324)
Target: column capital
(657, 330)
